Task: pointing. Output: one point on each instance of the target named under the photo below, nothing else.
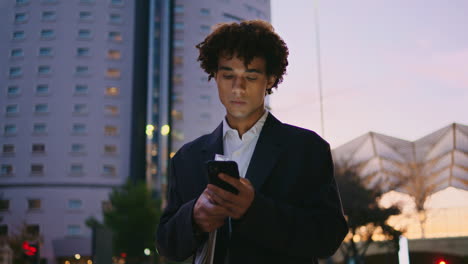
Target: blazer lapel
(266, 152)
(214, 144)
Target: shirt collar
(255, 129)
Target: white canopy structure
(432, 163)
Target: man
(288, 208)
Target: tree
(16, 241)
(365, 217)
(133, 219)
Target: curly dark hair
(247, 39)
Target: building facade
(65, 117)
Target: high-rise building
(81, 82)
(65, 117)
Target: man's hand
(208, 216)
(238, 204)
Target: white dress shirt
(240, 150)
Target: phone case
(215, 167)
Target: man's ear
(271, 81)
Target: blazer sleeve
(315, 227)
(176, 238)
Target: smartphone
(214, 167)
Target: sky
(397, 67)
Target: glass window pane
(15, 53)
(45, 51)
(82, 52)
(81, 89)
(42, 89)
(115, 36)
(18, 35)
(75, 204)
(9, 129)
(47, 33)
(84, 33)
(13, 90)
(48, 15)
(73, 230)
(79, 128)
(34, 204)
(41, 108)
(15, 72)
(21, 17)
(39, 128)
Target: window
(32, 230)
(9, 129)
(205, 11)
(73, 230)
(49, 1)
(115, 36)
(112, 91)
(44, 69)
(48, 16)
(110, 149)
(113, 54)
(15, 72)
(113, 73)
(75, 204)
(76, 169)
(6, 169)
(177, 115)
(111, 110)
(115, 18)
(47, 34)
(42, 89)
(86, 16)
(77, 148)
(84, 34)
(81, 70)
(13, 90)
(80, 108)
(45, 51)
(179, 26)
(117, 2)
(178, 43)
(110, 130)
(11, 109)
(21, 18)
(205, 29)
(22, 2)
(34, 204)
(82, 52)
(38, 148)
(205, 99)
(41, 108)
(17, 53)
(178, 60)
(18, 35)
(79, 128)
(205, 116)
(81, 89)
(109, 170)
(39, 128)
(37, 169)
(177, 79)
(4, 204)
(179, 9)
(8, 149)
(231, 18)
(87, 1)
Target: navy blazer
(296, 215)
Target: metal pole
(319, 65)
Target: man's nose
(238, 85)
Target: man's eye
(227, 77)
(251, 78)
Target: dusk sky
(396, 67)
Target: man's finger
(225, 195)
(233, 181)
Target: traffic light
(31, 251)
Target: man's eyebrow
(225, 68)
(254, 70)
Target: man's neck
(243, 125)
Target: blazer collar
(266, 151)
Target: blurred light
(441, 262)
(172, 154)
(149, 131)
(67, 262)
(165, 130)
(90, 261)
(147, 251)
(123, 255)
(77, 256)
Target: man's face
(242, 89)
